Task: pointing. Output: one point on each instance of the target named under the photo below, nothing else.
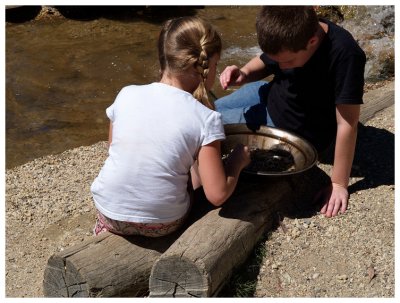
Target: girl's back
(157, 132)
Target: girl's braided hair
(187, 42)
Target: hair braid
(202, 68)
(189, 42)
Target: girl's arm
(347, 119)
(219, 181)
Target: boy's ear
(313, 41)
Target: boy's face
(288, 59)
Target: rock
(342, 277)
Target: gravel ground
(49, 208)
(351, 255)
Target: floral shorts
(104, 223)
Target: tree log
(377, 100)
(110, 265)
(204, 256)
(105, 266)
(202, 259)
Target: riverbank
(49, 208)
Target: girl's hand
(239, 158)
(219, 181)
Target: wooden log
(109, 265)
(377, 100)
(104, 266)
(202, 259)
(205, 255)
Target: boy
(316, 91)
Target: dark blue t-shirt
(303, 99)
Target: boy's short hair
(285, 28)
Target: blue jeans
(246, 105)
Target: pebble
(295, 233)
(287, 278)
(342, 277)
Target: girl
(158, 132)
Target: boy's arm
(254, 70)
(347, 121)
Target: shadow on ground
(374, 159)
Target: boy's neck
(321, 32)
(324, 26)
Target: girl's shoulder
(138, 91)
(135, 87)
(154, 87)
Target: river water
(61, 74)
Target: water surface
(61, 74)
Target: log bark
(377, 100)
(109, 265)
(220, 239)
(105, 266)
(204, 256)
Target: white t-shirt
(157, 132)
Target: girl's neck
(187, 82)
(172, 81)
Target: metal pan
(275, 140)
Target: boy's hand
(335, 198)
(232, 75)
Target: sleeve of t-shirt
(110, 112)
(349, 82)
(213, 129)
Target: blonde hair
(187, 42)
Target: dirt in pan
(270, 160)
